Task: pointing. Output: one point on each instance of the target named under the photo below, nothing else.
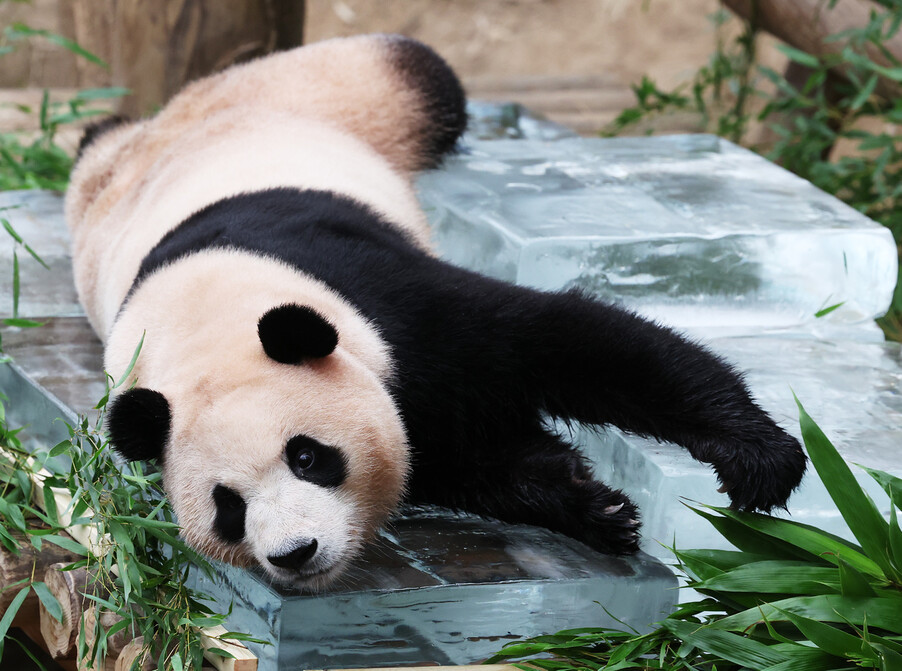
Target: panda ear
(139, 421)
(291, 333)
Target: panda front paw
(760, 472)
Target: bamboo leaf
(890, 483)
(799, 56)
(880, 612)
(827, 638)
(812, 541)
(732, 647)
(19, 30)
(852, 582)
(780, 577)
(864, 520)
(67, 544)
(50, 603)
(11, 611)
(131, 365)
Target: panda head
(289, 456)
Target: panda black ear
(139, 421)
(291, 333)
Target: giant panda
(308, 361)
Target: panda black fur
(308, 360)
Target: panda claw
(723, 489)
(612, 510)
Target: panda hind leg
(546, 482)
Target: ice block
(691, 230)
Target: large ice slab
(691, 230)
(437, 588)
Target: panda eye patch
(314, 462)
(230, 513)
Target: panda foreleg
(600, 364)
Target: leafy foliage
(36, 161)
(840, 93)
(791, 597)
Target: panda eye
(305, 460)
(314, 462)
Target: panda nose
(296, 558)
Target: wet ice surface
(436, 587)
(690, 230)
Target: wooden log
(242, 659)
(805, 25)
(69, 588)
(134, 652)
(29, 562)
(154, 47)
(115, 643)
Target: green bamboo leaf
(20, 30)
(11, 610)
(732, 647)
(22, 323)
(895, 540)
(880, 612)
(131, 365)
(890, 483)
(812, 541)
(864, 520)
(776, 577)
(889, 659)
(829, 639)
(823, 312)
(722, 560)
(50, 603)
(854, 583)
(749, 539)
(50, 505)
(799, 56)
(67, 544)
(16, 286)
(862, 97)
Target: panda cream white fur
(308, 361)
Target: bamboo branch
(88, 536)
